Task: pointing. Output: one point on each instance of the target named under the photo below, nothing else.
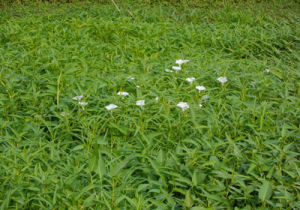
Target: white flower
(205, 97)
(222, 79)
(200, 88)
(168, 70)
(200, 105)
(190, 80)
(111, 106)
(123, 93)
(180, 62)
(130, 78)
(267, 71)
(183, 105)
(156, 99)
(83, 104)
(176, 68)
(138, 86)
(140, 103)
(77, 98)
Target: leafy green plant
(240, 149)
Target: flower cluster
(177, 68)
(81, 103)
(183, 105)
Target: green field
(239, 150)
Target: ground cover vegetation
(98, 112)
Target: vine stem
(116, 5)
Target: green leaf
(117, 168)
(101, 166)
(124, 130)
(78, 147)
(198, 208)
(188, 201)
(92, 163)
(198, 177)
(265, 191)
(161, 156)
(34, 189)
(155, 165)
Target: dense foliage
(240, 149)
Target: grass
(240, 150)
